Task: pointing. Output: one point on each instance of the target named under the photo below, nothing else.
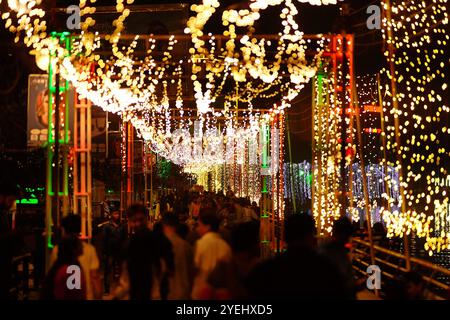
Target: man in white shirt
(209, 250)
(89, 261)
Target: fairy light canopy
(198, 98)
(234, 72)
(418, 33)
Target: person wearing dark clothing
(256, 208)
(395, 290)
(415, 286)
(182, 230)
(226, 281)
(379, 235)
(114, 238)
(164, 250)
(337, 252)
(180, 279)
(142, 263)
(8, 195)
(89, 261)
(300, 272)
(55, 285)
(149, 257)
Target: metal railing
(394, 264)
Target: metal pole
(336, 121)
(151, 180)
(130, 164)
(107, 136)
(391, 60)
(328, 132)
(313, 153)
(88, 165)
(56, 184)
(355, 111)
(275, 182)
(281, 122)
(123, 176)
(351, 89)
(343, 195)
(264, 202)
(82, 156)
(145, 169)
(65, 151)
(383, 142)
(318, 102)
(294, 202)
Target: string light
(417, 31)
(132, 88)
(249, 57)
(326, 153)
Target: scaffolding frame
(82, 175)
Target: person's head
(183, 230)
(8, 195)
(230, 207)
(115, 215)
(378, 229)
(209, 204)
(69, 249)
(207, 221)
(42, 107)
(71, 225)
(414, 285)
(158, 228)
(300, 230)
(356, 225)
(395, 290)
(245, 238)
(170, 223)
(342, 229)
(365, 225)
(137, 217)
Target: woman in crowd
(65, 279)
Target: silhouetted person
(180, 282)
(71, 227)
(114, 238)
(256, 208)
(183, 230)
(164, 251)
(137, 218)
(395, 290)
(338, 252)
(415, 286)
(226, 281)
(146, 262)
(194, 208)
(300, 272)
(379, 234)
(8, 195)
(55, 285)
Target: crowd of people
(201, 246)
